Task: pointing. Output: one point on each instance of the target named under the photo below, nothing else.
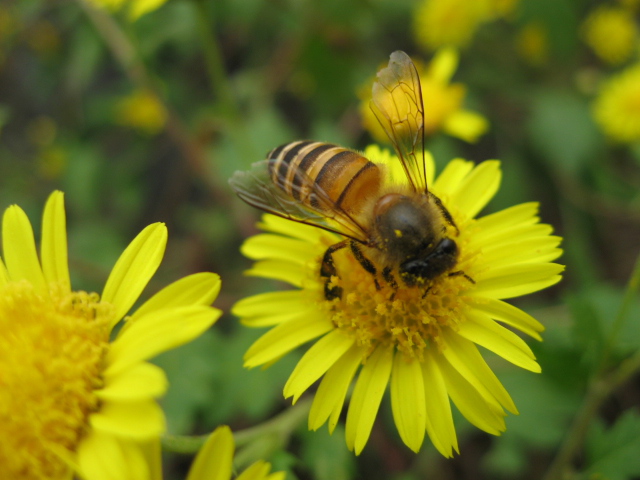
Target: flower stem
(602, 384)
(219, 82)
(280, 427)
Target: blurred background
(141, 110)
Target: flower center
(407, 318)
(50, 363)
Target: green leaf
(327, 455)
(612, 453)
(562, 131)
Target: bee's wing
(398, 106)
(257, 189)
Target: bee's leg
(390, 279)
(461, 273)
(328, 269)
(365, 262)
(445, 213)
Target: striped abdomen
(300, 168)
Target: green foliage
(292, 69)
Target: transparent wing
(398, 106)
(256, 187)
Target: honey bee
(398, 233)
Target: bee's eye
(447, 246)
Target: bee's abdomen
(302, 168)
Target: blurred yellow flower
(215, 461)
(134, 8)
(438, 23)
(442, 99)
(612, 34)
(74, 400)
(617, 108)
(533, 44)
(143, 111)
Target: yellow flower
(617, 108)
(442, 100)
(134, 8)
(533, 43)
(215, 461)
(71, 399)
(439, 23)
(421, 341)
(612, 34)
(143, 111)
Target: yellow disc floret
(51, 351)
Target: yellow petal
(284, 338)
(277, 247)
(408, 401)
(478, 188)
(271, 302)
(101, 456)
(157, 332)
(311, 235)
(289, 272)
(463, 355)
(139, 420)
(367, 395)
(440, 427)
(215, 459)
(539, 249)
(466, 125)
(510, 315)
(20, 249)
(139, 382)
(473, 406)
(197, 289)
(315, 362)
(484, 331)
(495, 224)
(53, 246)
(444, 64)
(329, 399)
(134, 269)
(449, 180)
(515, 280)
(256, 471)
(4, 275)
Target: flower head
(443, 101)
(72, 399)
(134, 8)
(612, 34)
(617, 106)
(143, 111)
(215, 461)
(420, 340)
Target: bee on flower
(396, 279)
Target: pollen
(51, 350)
(410, 319)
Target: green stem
(280, 427)
(601, 386)
(219, 82)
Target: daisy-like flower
(420, 341)
(143, 111)
(533, 43)
(439, 23)
(134, 8)
(612, 33)
(444, 100)
(617, 107)
(73, 400)
(214, 461)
